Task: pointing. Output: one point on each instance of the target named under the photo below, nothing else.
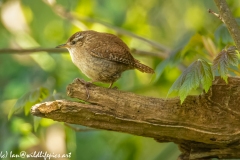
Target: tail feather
(143, 68)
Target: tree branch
(32, 50)
(203, 125)
(229, 20)
(60, 50)
(160, 55)
(215, 14)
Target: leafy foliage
(36, 122)
(224, 59)
(222, 35)
(28, 100)
(199, 72)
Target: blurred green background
(185, 29)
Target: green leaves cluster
(201, 73)
(224, 59)
(198, 73)
(28, 100)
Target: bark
(229, 20)
(204, 126)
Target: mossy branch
(207, 122)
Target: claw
(110, 86)
(86, 85)
(115, 87)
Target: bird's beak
(62, 46)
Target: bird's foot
(115, 87)
(86, 85)
(110, 86)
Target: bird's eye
(73, 42)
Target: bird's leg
(86, 85)
(110, 86)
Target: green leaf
(222, 35)
(160, 69)
(37, 97)
(208, 76)
(36, 122)
(199, 72)
(188, 40)
(223, 60)
(28, 100)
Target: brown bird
(102, 56)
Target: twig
(128, 33)
(147, 53)
(60, 50)
(32, 50)
(215, 14)
(229, 20)
(61, 11)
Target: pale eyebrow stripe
(77, 38)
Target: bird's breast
(97, 69)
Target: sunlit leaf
(36, 122)
(28, 100)
(208, 76)
(199, 72)
(38, 96)
(160, 69)
(209, 45)
(224, 59)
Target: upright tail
(143, 68)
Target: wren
(102, 56)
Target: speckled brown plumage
(102, 56)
